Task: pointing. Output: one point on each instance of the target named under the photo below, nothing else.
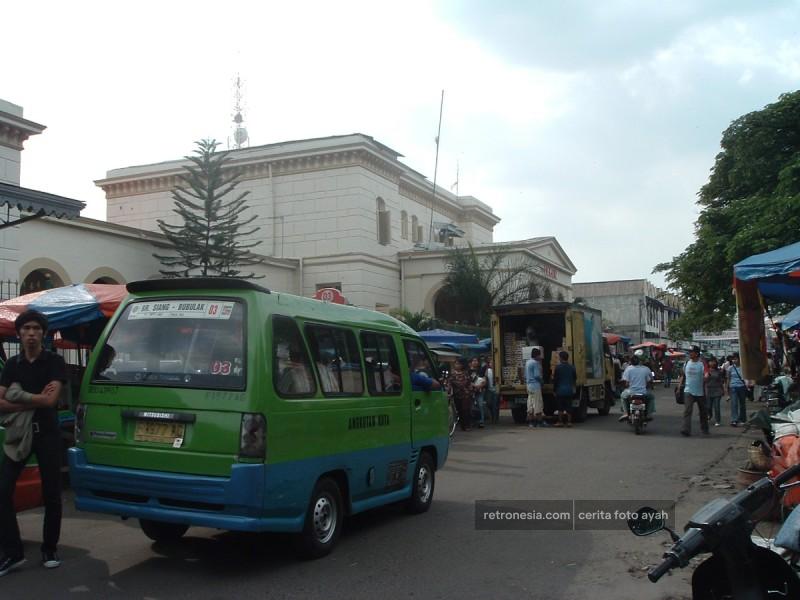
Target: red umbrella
(650, 345)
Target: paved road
(388, 554)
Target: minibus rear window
(191, 342)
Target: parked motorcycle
(737, 568)
(638, 413)
(772, 396)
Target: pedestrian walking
(667, 367)
(461, 387)
(564, 379)
(492, 399)
(714, 390)
(736, 389)
(692, 380)
(533, 380)
(478, 388)
(31, 382)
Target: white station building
(340, 212)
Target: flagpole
(435, 170)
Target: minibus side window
(291, 367)
(337, 359)
(418, 359)
(383, 368)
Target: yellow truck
(551, 326)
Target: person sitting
(295, 378)
(421, 381)
(638, 380)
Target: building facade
(341, 212)
(634, 308)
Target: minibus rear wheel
(161, 531)
(323, 520)
(422, 488)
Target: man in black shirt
(41, 375)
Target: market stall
(76, 315)
(759, 281)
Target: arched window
(384, 223)
(404, 225)
(40, 279)
(414, 229)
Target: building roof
(297, 151)
(39, 204)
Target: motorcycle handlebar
(788, 474)
(692, 541)
(656, 573)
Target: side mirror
(646, 521)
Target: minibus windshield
(190, 342)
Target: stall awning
(36, 204)
(777, 273)
(443, 336)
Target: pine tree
(208, 242)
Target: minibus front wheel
(161, 531)
(423, 484)
(323, 520)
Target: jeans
(713, 408)
(738, 404)
(493, 404)
(625, 405)
(47, 447)
(480, 400)
(688, 405)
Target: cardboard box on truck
(551, 326)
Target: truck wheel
(161, 531)
(422, 488)
(323, 521)
(607, 402)
(519, 413)
(579, 413)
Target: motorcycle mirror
(646, 521)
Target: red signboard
(330, 295)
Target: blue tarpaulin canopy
(777, 273)
(791, 320)
(442, 336)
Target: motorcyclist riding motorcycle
(638, 379)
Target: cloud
(576, 34)
(596, 122)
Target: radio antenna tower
(240, 137)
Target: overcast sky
(595, 122)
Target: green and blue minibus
(215, 402)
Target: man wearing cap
(32, 381)
(692, 380)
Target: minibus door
(428, 408)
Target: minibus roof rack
(193, 283)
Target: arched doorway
(40, 279)
(110, 280)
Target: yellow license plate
(157, 431)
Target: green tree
(477, 281)
(418, 321)
(208, 242)
(751, 204)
